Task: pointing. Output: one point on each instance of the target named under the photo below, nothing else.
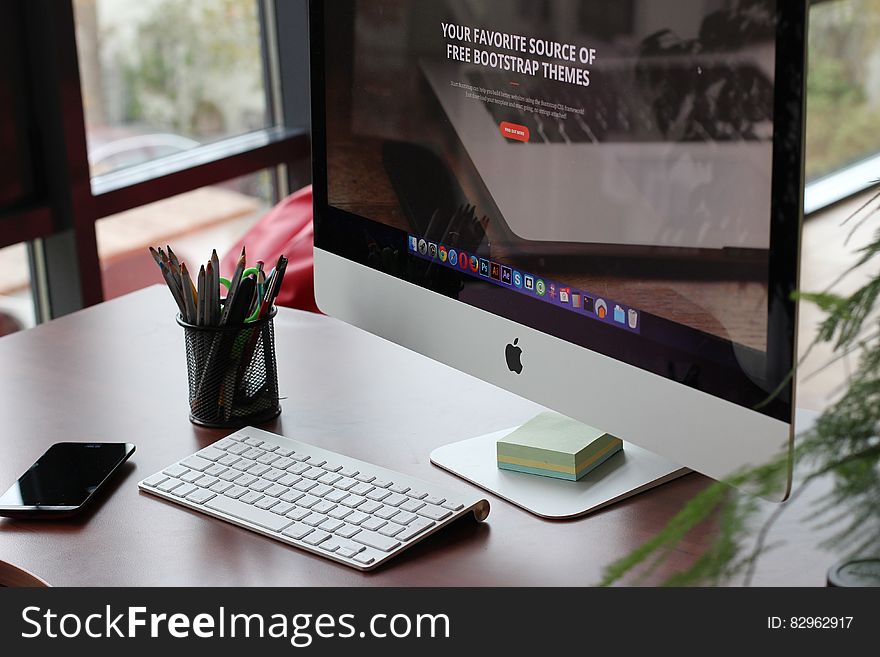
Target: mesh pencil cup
(233, 375)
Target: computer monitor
(595, 204)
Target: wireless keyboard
(352, 512)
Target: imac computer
(595, 204)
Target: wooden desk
(117, 373)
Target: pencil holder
(233, 375)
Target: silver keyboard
(352, 512)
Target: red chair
(286, 230)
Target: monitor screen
(625, 175)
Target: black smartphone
(64, 480)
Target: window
(16, 302)
(843, 118)
(160, 77)
(194, 223)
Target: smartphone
(64, 480)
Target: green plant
(844, 445)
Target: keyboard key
(289, 480)
(253, 453)
(201, 496)
(226, 443)
(169, 485)
(405, 518)
(155, 480)
(340, 512)
(191, 477)
(386, 512)
(298, 468)
(357, 518)
(315, 519)
(297, 531)
(302, 458)
(246, 480)
(308, 501)
(360, 489)
(292, 496)
(374, 524)
(211, 454)
(348, 546)
(349, 472)
(284, 452)
(260, 485)
(229, 460)
(222, 486)
(378, 494)
(274, 474)
(283, 463)
(184, 490)
(347, 531)
(238, 509)
(346, 483)
(216, 470)
(365, 478)
(207, 482)
(196, 463)
(391, 530)
(323, 507)
(395, 499)
(230, 475)
(305, 485)
(329, 479)
(298, 514)
(317, 461)
(269, 447)
(283, 508)
(330, 545)
(331, 525)
(453, 506)
(414, 529)
(266, 503)
(276, 490)
(370, 507)
(331, 467)
(336, 496)
(412, 505)
(434, 512)
(374, 540)
(321, 490)
(382, 483)
(244, 465)
(313, 473)
(366, 558)
(436, 501)
(399, 488)
(238, 450)
(258, 469)
(176, 471)
(316, 537)
(268, 459)
(253, 442)
(251, 497)
(345, 552)
(354, 501)
(417, 494)
(236, 492)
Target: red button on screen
(515, 131)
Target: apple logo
(514, 357)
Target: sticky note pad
(555, 446)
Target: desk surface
(117, 373)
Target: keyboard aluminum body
(352, 512)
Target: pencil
(211, 294)
(200, 312)
(235, 282)
(172, 285)
(189, 295)
(215, 289)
